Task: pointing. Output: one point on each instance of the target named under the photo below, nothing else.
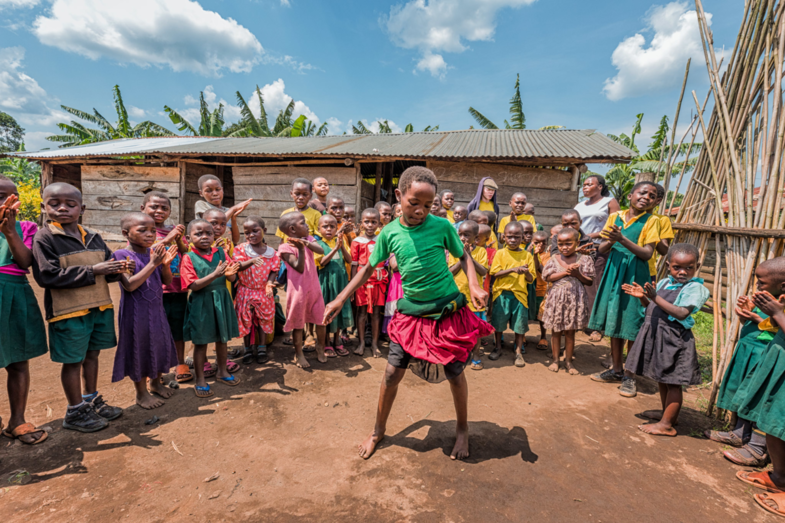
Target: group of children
(421, 271)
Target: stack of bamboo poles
(742, 151)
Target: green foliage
(76, 133)
(210, 123)
(21, 171)
(704, 338)
(11, 133)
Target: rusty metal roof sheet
(583, 145)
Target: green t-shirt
(419, 252)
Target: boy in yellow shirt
(518, 204)
(468, 231)
(301, 193)
(514, 269)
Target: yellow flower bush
(30, 197)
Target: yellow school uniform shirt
(521, 218)
(516, 283)
(450, 216)
(650, 232)
(317, 258)
(85, 312)
(768, 326)
(311, 220)
(480, 255)
(666, 233)
(486, 206)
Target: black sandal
(495, 354)
(236, 353)
(248, 355)
(261, 355)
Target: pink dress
(304, 302)
(252, 302)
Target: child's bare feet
(570, 367)
(156, 387)
(554, 367)
(658, 429)
(301, 362)
(368, 446)
(461, 448)
(148, 401)
(320, 354)
(360, 350)
(376, 352)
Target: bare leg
(617, 353)
(90, 372)
(376, 321)
(220, 359)
(299, 357)
(321, 333)
(143, 398)
(389, 389)
(156, 387)
(362, 316)
(555, 349)
(179, 347)
(200, 357)
(72, 382)
(670, 413)
(656, 415)
(18, 386)
(776, 448)
(568, 352)
(498, 340)
(460, 397)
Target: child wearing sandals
(432, 332)
(22, 334)
(541, 254)
(304, 301)
(145, 347)
(333, 279)
(765, 400)
(567, 306)
(254, 303)
(158, 206)
(370, 299)
(664, 349)
(210, 315)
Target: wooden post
(358, 200)
(181, 166)
(46, 174)
(388, 181)
(576, 176)
(377, 188)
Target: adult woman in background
(594, 211)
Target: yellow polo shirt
(516, 283)
(480, 255)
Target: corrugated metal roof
(585, 145)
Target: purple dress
(145, 345)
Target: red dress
(252, 303)
(375, 290)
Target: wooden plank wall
(270, 189)
(110, 191)
(193, 171)
(549, 190)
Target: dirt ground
(282, 447)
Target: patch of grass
(704, 337)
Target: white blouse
(595, 216)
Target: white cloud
(20, 95)
(286, 3)
(661, 65)
(14, 4)
(176, 33)
(275, 99)
(36, 140)
(135, 112)
(441, 26)
(334, 125)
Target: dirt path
(544, 447)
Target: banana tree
(78, 134)
(302, 126)
(210, 123)
(410, 128)
(516, 112)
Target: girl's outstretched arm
(360, 278)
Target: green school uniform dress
(22, 332)
(210, 315)
(765, 397)
(749, 350)
(616, 313)
(332, 280)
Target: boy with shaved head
(321, 188)
(73, 265)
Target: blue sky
(583, 64)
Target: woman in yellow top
(485, 199)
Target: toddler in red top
(371, 297)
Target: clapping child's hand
(157, 254)
(171, 254)
(633, 289)
(650, 290)
(231, 269)
(613, 234)
(220, 269)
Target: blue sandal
(231, 381)
(476, 365)
(203, 392)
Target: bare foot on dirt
(301, 362)
(376, 352)
(368, 446)
(360, 350)
(571, 368)
(156, 387)
(554, 367)
(658, 429)
(148, 401)
(461, 448)
(320, 354)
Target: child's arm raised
(636, 291)
(297, 263)
(166, 269)
(344, 251)
(158, 253)
(231, 215)
(313, 246)
(201, 283)
(744, 308)
(231, 270)
(330, 255)
(22, 256)
(614, 235)
(680, 313)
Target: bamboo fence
(742, 153)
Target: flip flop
(209, 369)
(183, 373)
(235, 353)
(232, 367)
(231, 381)
(329, 352)
(759, 480)
(595, 337)
(476, 365)
(778, 499)
(542, 345)
(203, 392)
(341, 351)
(23, 430)
(345, 340)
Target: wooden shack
(362, 169)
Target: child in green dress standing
(333, 279)
(630, 237)
(210, 315)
